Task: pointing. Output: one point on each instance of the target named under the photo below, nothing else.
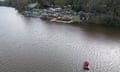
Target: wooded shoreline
(106, 12)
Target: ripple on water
(33, 45)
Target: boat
(86, 65)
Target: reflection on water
(109, 32)
(33, 45)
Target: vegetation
(109, 9)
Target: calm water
(33, 45)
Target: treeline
(109, 9)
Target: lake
(33, 45)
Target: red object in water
(86, 65)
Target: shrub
(105, 20)
(110, 20)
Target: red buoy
(86, 65)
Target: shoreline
(92, 21)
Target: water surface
(32, 45)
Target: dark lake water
(33, 45)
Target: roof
(32, 5)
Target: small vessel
(86, 65)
